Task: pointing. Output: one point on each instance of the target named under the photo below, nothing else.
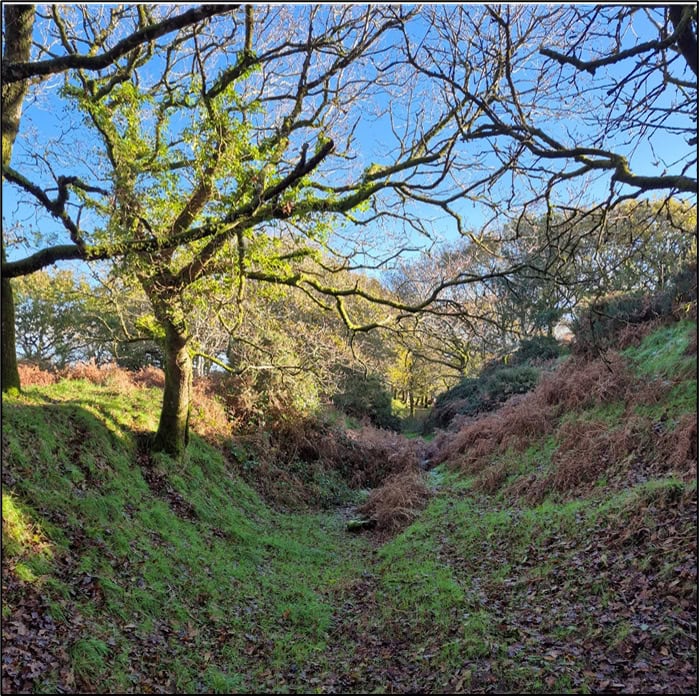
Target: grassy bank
(555, 555)
(150, 574)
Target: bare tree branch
(13, 72)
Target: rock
(357, 524)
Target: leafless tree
(291, 145)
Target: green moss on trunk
(173, 430)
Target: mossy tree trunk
(10, 373)
(173, 430)
(19, 20)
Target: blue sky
(45, 120)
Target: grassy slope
(578, 593)
(123, 577)
(178, 577)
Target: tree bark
(19, 20)
(687, 40)
(10, 372)
(173, 430)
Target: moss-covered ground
(124, 572)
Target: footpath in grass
(123, 573)
(126, 573)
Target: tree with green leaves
(59, 321)
(637, 245)
(231, 159)
(113, 39)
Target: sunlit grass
(662, 353)
(23, 541)
(201, 554)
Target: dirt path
(370, 650)
(563, 614)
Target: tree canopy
(201, 150)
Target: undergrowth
(140, 560)
(552, 550)
(616, 420)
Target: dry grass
(580, 384)
(520, 421)
(586, 450)
(527, 488)
(208, 415)
(525, 418)
(289, 452)
(397, 502)
(109, 375)
(677, 450)
(492, 477)
(633, 334)
(377, 454)
(149, 377)
(31, 375)
(647, 393)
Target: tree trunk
(173, 430)
(19, 20)
(10, 373)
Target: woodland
(349, 348)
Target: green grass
(662, 353)
(195, 583)
(437, 570)
(681, 399)
(204, 557)
(89, 659)
(662, 356)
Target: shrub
(597, 326)
(365, 396)
(684, 284)
(536, 349)
(605, 323)
(472, 396)
(140, 355)
(110, 375)
(499, 379)
(31, 374)
(501, 385)
(149, 377)
(466, 389)
(398, 501)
